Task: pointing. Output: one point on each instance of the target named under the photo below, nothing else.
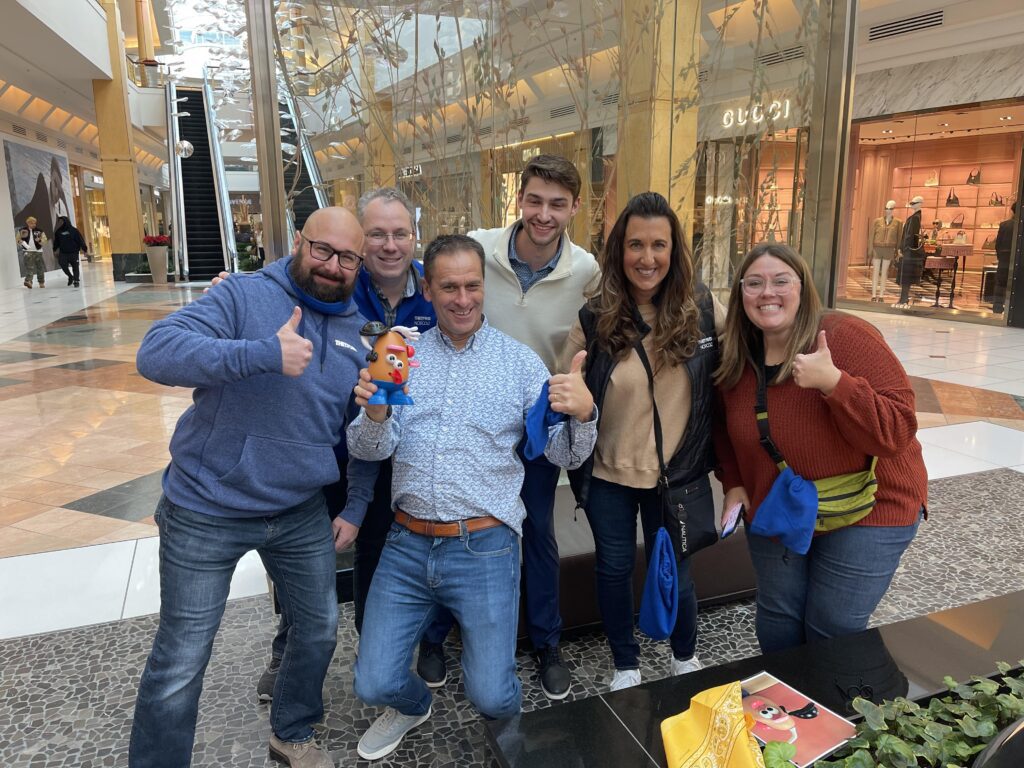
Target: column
(379, 147)
(657, 126)
(144, 35)
(116, 137)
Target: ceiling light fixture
(943, 125)
(887, 130)
(1006, 117)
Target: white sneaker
(625, 678)
(383, 737)
(677, 667)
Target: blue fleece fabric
(788, 512)
(660, 601)
(538, 419)
(254, 442)
(413, 311)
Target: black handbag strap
(761, 412)
(658, 444)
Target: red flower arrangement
(156, 240)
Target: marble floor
(83, 439)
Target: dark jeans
(198, 555)
(830, 591)
(69, 265)
(1002, 276)
(612, 511)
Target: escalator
(204, 242)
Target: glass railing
(146, 74)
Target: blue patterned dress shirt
(455, 449)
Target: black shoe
(71, 280)
(431, 665)
(265, 687)
(76, 283)
(554, 675)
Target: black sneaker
(431, 665)
(70, 281)
(554, 675)
(265, 687)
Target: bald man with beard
(272, 358)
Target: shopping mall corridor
(83, 440)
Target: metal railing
(147, 74)
(220, 182)
(305, 151)
(179, 243)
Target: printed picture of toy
(781, 713)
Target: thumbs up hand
(296, 352)
(816, 369)
(568, 393)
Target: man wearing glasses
(272, 358)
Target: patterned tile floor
(84, 439)
(68, 696)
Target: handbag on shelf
(997, 200)
(961, 238)
(952, 201)
(974, 177)
(690, 525)
(932, 180)
(957, 222)
(795, 508)
(989, 244)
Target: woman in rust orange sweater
(837, 396)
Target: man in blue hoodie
(272, 358)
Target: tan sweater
(625, 452)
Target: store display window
(925, 199)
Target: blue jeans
(541, 565)
(476, 577)
(198, 554)
(612, 511)
(830, 591)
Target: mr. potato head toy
(389, 358)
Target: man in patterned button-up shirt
(455, 461)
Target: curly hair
(676, 327)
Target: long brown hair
(742, 342)
(676, 326)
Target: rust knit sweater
(870, 413)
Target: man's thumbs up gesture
(296, 352)
(568, 393)
(816, 370)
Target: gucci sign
(775, 110)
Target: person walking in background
(836, 398)
(31, 240)
(67, 244)
(1004, 249)
(648, 328)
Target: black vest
(695, 456)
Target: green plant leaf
(777, 754)
(1003, 667)
(984, 685)
(860, 759)
(872, 714)
(896, 751)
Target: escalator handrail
(302, 143)
(179, 241)
(220, 181)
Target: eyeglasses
(754, 286)
(379, 238)
(322, 251)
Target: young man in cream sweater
(534, 283)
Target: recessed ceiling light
(943, 125)
(1006, 117)
(887, 130)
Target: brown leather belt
(434, 528)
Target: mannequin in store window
(912, 252)
(883, 239)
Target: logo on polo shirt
(708, 342)
(345, 345)
(422, 320)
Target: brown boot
(305, 754)
(28, 284)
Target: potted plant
(156, 254)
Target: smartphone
(731, 519)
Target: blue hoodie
(254, 442)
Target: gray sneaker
(383, 737)
(303, 754)
(265, 687)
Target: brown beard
(319, 292)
